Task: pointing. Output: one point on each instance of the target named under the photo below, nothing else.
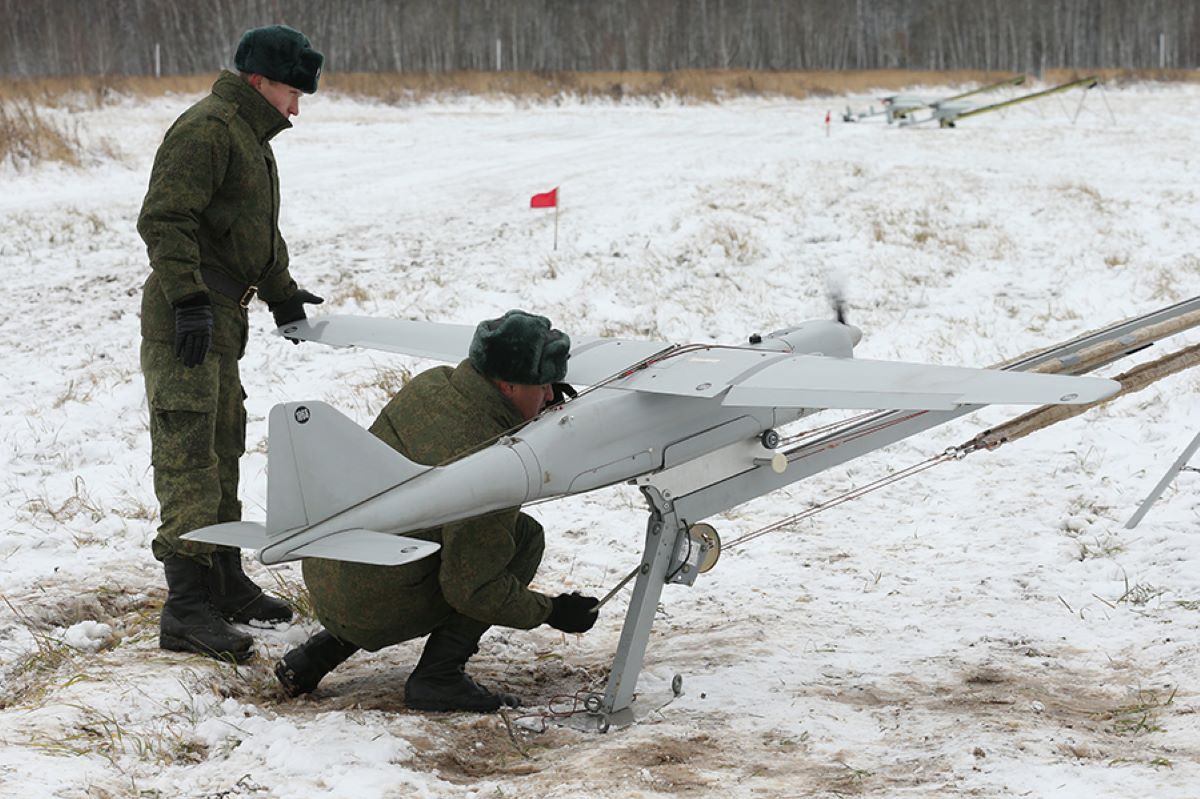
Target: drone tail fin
(321, 463)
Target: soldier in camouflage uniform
(481, 574)
(210, 223)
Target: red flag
(826, 117)
(547, 199)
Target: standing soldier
(210, 221)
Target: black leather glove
(193, 329)
(292, 309)
(562, 393)
(573, 612)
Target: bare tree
(64, 37)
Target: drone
(695, 427)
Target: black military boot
(190, 623)
(237, 597)
(300, 670)
(439, 681)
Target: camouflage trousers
(197, 435)
(377, 606)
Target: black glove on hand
(562, 393)
(193, 329)
(292, 309)
(573, 613)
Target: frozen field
(988, 628)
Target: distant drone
(946, 111)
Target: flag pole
(556, 222)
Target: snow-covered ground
(988, 628)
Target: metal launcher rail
(675, 554)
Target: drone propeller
(836, 294)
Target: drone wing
(771, 379)
(811, 381)
(592, 359)
(435, 340)
(747, 376)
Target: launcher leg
(617, 706)
(1178, 466)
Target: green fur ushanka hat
(520, 347)
(282, 54)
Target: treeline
(142, 37)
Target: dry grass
(694, 85)
(387, 381)
(1140, 716)
(701, 85)
(27, 136)
(295, 593)
(81, 502)
(122, 740)
(97, 90)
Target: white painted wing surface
(244, 535)
(359, 546)
(596, 359)
(367, 546)
(592, 359)
(808, 381)
(436, 340)
(702, 372)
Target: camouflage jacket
(213, 202)
(441, 415)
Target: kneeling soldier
(481, 574)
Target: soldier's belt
(240, 293)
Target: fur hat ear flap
(520, 347)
